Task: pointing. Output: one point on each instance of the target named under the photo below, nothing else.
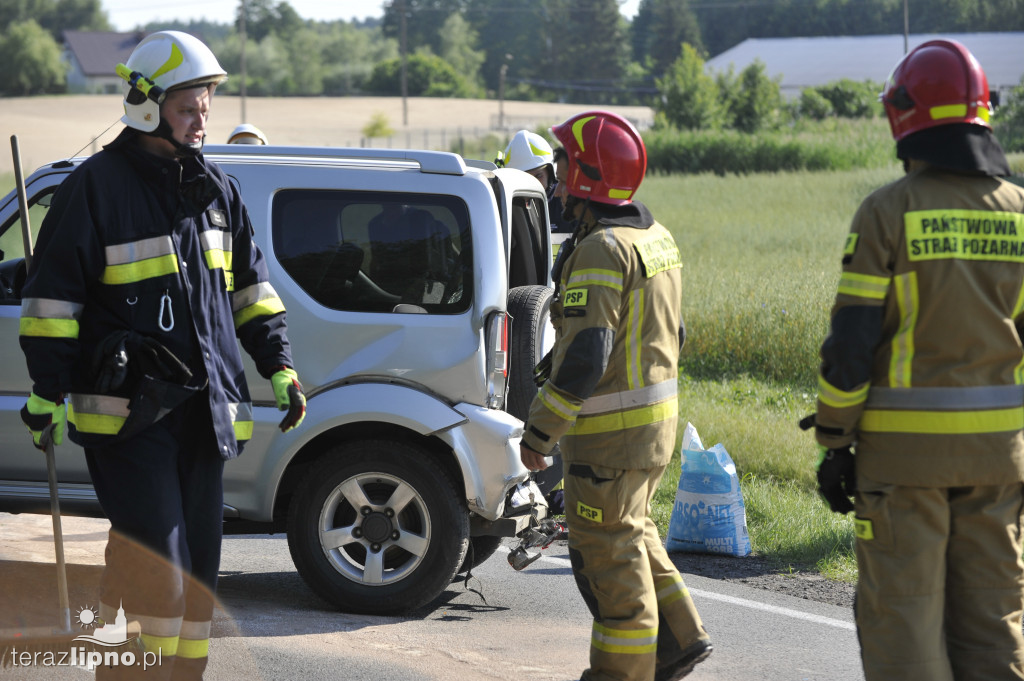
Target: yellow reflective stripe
(902, 359)
(948, 111)
(671, 590)
(619, 193)
(193, 650)
(241, 419)
(138, 260)
(97, 414)
(863, 285)
(138, 271)
(48, 328)
(217, 247)
(167, 644)
(634, 338)
(264, 308)
(624, 641)
(557, 404)
(942, 422)
(577, 130)
(174, 61)
(595, 277)
(841, 399)
(629, 418)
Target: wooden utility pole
(241, 57)
(405, 83)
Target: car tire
(532, 336)
(481, 548)
(363, 554)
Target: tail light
(496, 340)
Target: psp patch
(576, 297)
(589, 512)
(863, 529)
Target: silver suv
(417, 287)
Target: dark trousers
(162, 491)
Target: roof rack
(441, 162)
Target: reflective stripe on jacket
(935, 396)
(133, 241)
(612, 395)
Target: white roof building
(807, 62)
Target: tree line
(569, 50)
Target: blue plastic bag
(709, 515)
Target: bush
(689, 97)
(828, 145)
(427, 75)
(756, 100)
(814, 106)
(1008, 120)
(851, 99)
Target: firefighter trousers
(643, 614)
(163, 493)
(940, 589)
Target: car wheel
(532, 337)
(377, 527)
(480, 549)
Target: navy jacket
(142, 243)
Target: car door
(20, 463)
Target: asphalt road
(529, 625)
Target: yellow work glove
(38, 413)
(288, 393)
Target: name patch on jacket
(964, 235)
(658, 254)
(217, 217)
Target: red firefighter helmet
(937, 83)
(607, 158)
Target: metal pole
(906, 27)
(242, 34)
(405, 87)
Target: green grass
(761, 262)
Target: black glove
(837, 478)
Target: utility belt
(128, 362)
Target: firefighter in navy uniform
(144, 276)
(611, 403)
(922, 384)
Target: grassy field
(761, 262)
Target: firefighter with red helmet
(610, 402)
(921, 388)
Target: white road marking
(743, 602)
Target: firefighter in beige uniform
(923, 375)
(611, 403)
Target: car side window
(12, 246)
(527, 264)
(376, 251)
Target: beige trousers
(940, 590)
(643, 614)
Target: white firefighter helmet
(247, 133)
(164, 61)
(528, 151)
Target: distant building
(91, 57)
(808, 62)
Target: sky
(127, 14)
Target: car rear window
(376, 251)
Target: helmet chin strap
(163, 131)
